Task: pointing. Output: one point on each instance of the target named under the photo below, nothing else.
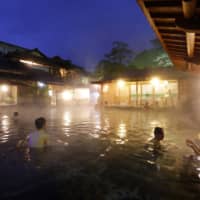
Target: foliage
(115, 62)
(155, 57)
(120, 53)
(106, 70)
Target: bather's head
(40, 123)
(158, 133)
(15, 114)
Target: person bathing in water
(158, 136)
(194, 145)
(155, 143)
(15, 116)
(38, 138)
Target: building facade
(164, 88)
(29, 76)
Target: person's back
(39, 138)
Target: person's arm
(194, 147)
(23, 143)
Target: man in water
(39, 138)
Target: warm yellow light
(165, 83)
(4, 88)
(122, 130)
(67, 118)
(120, 83)
(50, 92)
(96, 86)
(82, 93)
(67, 95)
(28, 62)
(105, 88)
(155, 82)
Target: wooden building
(151, 88)
(29, 76)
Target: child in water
(158, 136)
(39, 138)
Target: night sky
(80, 30)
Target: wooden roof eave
(152, 24)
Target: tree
(154, 57)
(115, 62)
(108, 70)
(120, 53)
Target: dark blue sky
(80, 30)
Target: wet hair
(40, 123)
(158, 133)
(15, 114)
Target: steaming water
(98, 154)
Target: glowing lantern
(67, 95)
(40, 84)
(120, 83)
(155, 82)
(4, 88)
(50, 92)
(105, 88)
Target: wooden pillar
(129, 94)
(189, 7)
(137, 94)
(141, 94)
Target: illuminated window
(133, 92)
(82, 93)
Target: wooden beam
(165, 20)
(176, 52)
(189, 7)
(165, 15)
(161, 3)
(167, 27)
(177, 49)
(175, 31)
(179, 54)
(177, 41)
(166, 9)
(168, 24)
(190, 38)
(173, 35)
(176, 45)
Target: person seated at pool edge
(194, 145)
(158, 135)
(39, 138)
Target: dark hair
(40, 123)
(15, 114)
(159, 133)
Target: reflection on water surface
(98, 154)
